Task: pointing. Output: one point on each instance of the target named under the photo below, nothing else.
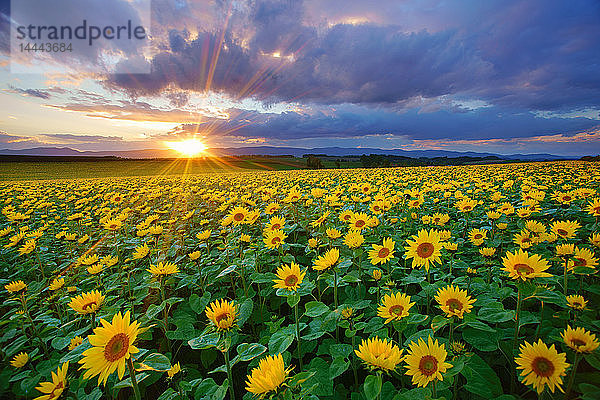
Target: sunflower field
(471, 282)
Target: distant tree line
(381, 160)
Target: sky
(493, 76)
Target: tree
(313, 162)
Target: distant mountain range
(275, 151)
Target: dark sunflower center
(567, 198)
(238, 216)
(291, 280)
(525, 240)
(52, 395)
(428, 365)
(383, 252)
(436, 220)
(477, 236)
(467, 208)
(276, 226)
(360, 223)
(523, 269)
(221, 317)
(275, 240)
(454, 304)
(577, 342)
(579, 262)
(596, 210)
(89, 304)
(542, 366)
(346, 217)
(562, 232)
(425, 250)
(396, 309)
(116, 347)
(576, 304)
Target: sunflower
(28, 247)
(523, 239)
(113, 224)
(382, 254)
(174, 370)
(394, 306)
(333, 233)
(163, 269)
(87, 303)
(379, 354)
(312, 243)
(487, 252)
(358, 221)
(565, 249)
(426, 362)
(354, 239)
(202, 236)
(271, 208)
(593, 207)
(440, 219)
(541, 366)
(112, 345)
(424, 249)
(19, 360)
(327, 260)
(95, 269)
(15, 286)
(521, 265)
(465, 205)
(576, 302)
(345, 216)
(580, 340)
(57, 283)
(582, 258)
(238, 215)
(565, 229)
(290, 277)
(275, 223)
(269, 376)
(595, 239)
(76, 341)
(274, 239)
(320, 220)
(454, 301)
(53, 390)
(223, 314)
(477, 236)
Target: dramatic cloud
(39, 93)
(529, 54)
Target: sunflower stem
(229, 375)
(516, 337)
(539, 327)
(565, 276)
(335, 301)
(298, 334)
(427, 291)
(572, 376)
(136, 388)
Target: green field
(11, 171)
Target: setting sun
(188, 147)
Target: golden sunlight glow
(188, 147)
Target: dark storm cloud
(39, 93)
(529, 54)
(352, 121)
